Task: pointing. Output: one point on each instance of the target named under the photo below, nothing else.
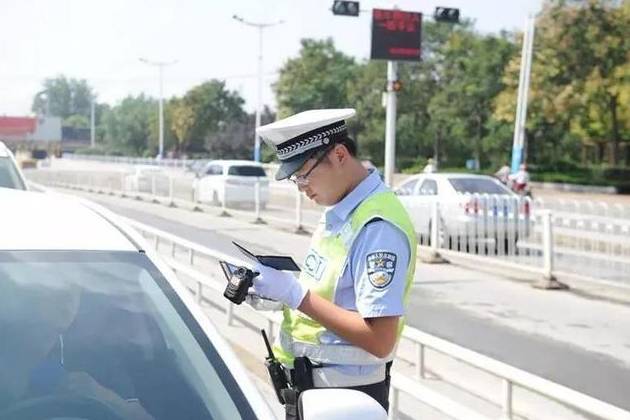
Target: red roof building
(17, 128)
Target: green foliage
(317, 78)
(77, 121)
(580, 82)
(63, 97)
(128, 124)
(203, 112)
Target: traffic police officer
(344, 314)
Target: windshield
(477, 186)
(102, 335)
(9, 177)
(246, 171)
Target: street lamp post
(260, 27)
(160, 65)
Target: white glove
(260, 303)
(278, 285)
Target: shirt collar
(340, 211)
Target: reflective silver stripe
(330, 377)
(338, 354)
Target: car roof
(235, 162)
(47, 221)
(440, 175)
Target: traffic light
(345, 8)
(446, 14)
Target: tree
(317, 78)
(579, 79)
(128, 125)
(63, 97)
(204, 111)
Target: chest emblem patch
(381, 267)
(314, 265)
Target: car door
(406, 193)
(426, 196)
(209, 182)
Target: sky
(102, 41)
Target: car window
(428, 187)
(103, 335)
(477, 186)
(408, 187)
(246, 170)
(9, 177)
(214, 170)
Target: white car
(96, 326)
(143, 178)
(475, 207)
(233, 182)
(10, 174)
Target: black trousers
(379, 391)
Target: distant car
(141, 179)
(10, 174)
(233, 182)
(470, 206)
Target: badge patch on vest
(380, 268)
(314, 265)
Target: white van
(233, 182)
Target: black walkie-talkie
(276, 373)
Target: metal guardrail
(510, 376)
(502, 229)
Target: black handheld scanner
(240, 279)
(276, 372)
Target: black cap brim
(290, 166)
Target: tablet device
(279, 262)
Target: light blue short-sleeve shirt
(379, 242)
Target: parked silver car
(472, 208)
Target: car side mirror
(339, 404)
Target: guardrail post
(154, 198)
(257, 218)
(298, 212)
(507, 400)
(434, 256)
(191, 256)
(156, 242)
(195, 195)
(230, 313)
(420, 361)
(173, 247)
(171, 202)
(199, 293)
(122, 184)
(393, 403)
(548, 281)
(224, 212)
(269, 328)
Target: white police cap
(299, 136)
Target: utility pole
(92, 123)
(390, 122)
(523, 88)
(160, 65)
(260, 27)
